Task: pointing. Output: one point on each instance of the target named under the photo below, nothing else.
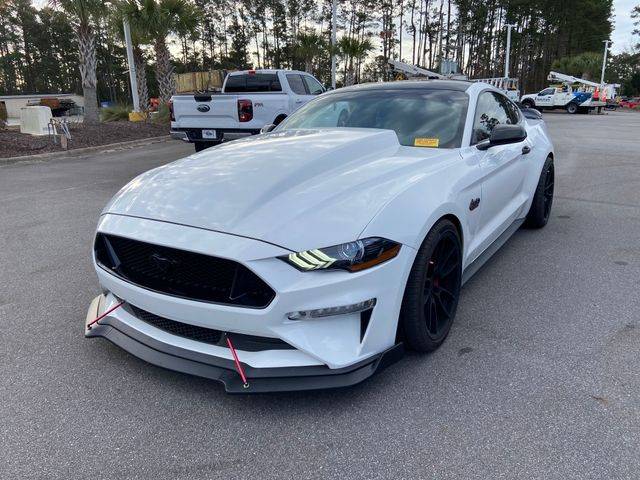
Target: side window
(296, 84)
(254, 82)
(490, 111)
(235, 83)
(513, 112)
(263, 82)
(313, 86)
(547, 91)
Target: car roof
(265, 70)
(457, 85)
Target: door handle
(526, 149)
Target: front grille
(247, 343)
(181, 273)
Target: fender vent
(365, 318)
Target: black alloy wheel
(441, 286)
(548, 190)
(433, 288)
(540, 210)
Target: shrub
(163, 116)
(115, 113)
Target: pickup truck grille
(181, 273)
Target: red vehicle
(630, 102)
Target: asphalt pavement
(539, 378)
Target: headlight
(351, 256)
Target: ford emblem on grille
(164, 264)
(203, 108)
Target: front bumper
(259, 380)
(346, 345)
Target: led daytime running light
(332, 311)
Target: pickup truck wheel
(572, 108)
(432, 291)
(538, 215)
(528, 104)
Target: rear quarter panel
(266, 108)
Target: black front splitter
(260, 380)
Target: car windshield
(420, 117)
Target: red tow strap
(245, 384)
(105, 314)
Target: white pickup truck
(249, 100)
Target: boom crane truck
(575, 95)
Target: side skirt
(477, 264)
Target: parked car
(310, 256)
(630, 102)
(249, 100)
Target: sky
(621, 36)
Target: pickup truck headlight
(351, 256)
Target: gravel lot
(15, 144)
(539, 377)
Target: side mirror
(503, 134)
(267, 128)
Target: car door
(299, 95)
(503, 167)
(545, 97)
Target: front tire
(572, 108)
(540, 210)
(431, 295)
(528, 104)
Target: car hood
(297, 189)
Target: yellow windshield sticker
(426, 142)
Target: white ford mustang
(310, 256)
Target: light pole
(604, 61)
(508, 51)
(334, 20)
(132, 67)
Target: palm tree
(158, 19)
(82, 14)
(129, 9)
(309, 47)
(353, 49)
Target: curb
(78, 152)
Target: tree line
(77, 45)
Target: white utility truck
(249, 100)
(573, 94)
